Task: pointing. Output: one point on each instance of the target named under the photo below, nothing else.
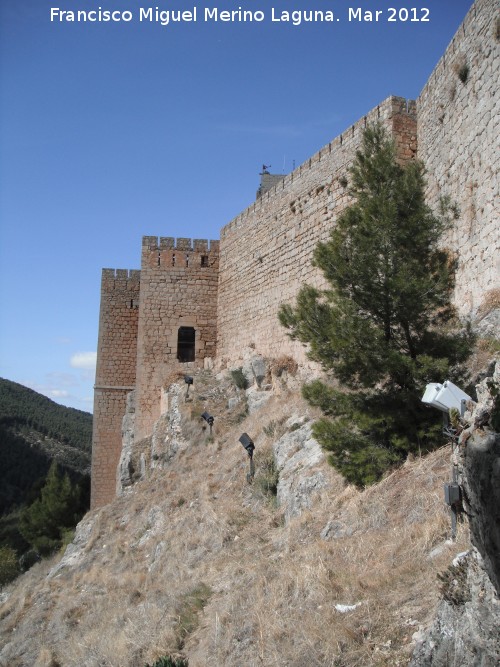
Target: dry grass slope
(194, 560)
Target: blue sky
(114, 130)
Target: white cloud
(84, 360)
(58, 393)
(62, 379)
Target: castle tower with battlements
(115, 375)
(177, 317)
(153, 323)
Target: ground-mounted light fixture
(247, 443)
(209, 419)
(189, 381)
(445, 397)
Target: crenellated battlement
(153, 243)
(168, 253)
(396, 113)
(120, 277)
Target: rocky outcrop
(156, 450)
(167, 438)
(481, 494)
(255, 369)
(299, 460)
(465, 630)
(124, 474)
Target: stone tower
(115, 376)
(177, 317)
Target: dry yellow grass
(196, 560)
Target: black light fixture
(247, 443)
(209, 419)
(189, 381)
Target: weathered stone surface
(254, 367)
(259, 368)
(256, 399)
(124, 470)
(457, 125)
(480, 478)
(489, 325)
(75, 551)
(233, 402)
(167, 437)
(299, 460)
(335, 529)
(465, 632)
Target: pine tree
(383, 328)
(44, 523)
(9, 568)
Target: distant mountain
(33, 431)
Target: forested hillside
(33, 432)
(22, 406)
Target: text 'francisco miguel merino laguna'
(207, 14)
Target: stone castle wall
(115, 376)
(266, 251)
(178, 289)
(458, 140)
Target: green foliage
(168, 661)
(21, 405)
(33, 430)
(44, 524)
(463, 73)
(10, 535)
(454, 585)
(383, 329)
(9, 568)
(189, 608)
(267, 476)
(239, 378)
(275, 428)
(494, 390)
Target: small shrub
(239, 378)
(494, 390)
(343, 181)
(448, 208)
(268, 476)
(168, 661)
(187, 612)
(454, 587)
(281, 364)
(463, 73)
(275, 428)
(9, 568)
(28, 559)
